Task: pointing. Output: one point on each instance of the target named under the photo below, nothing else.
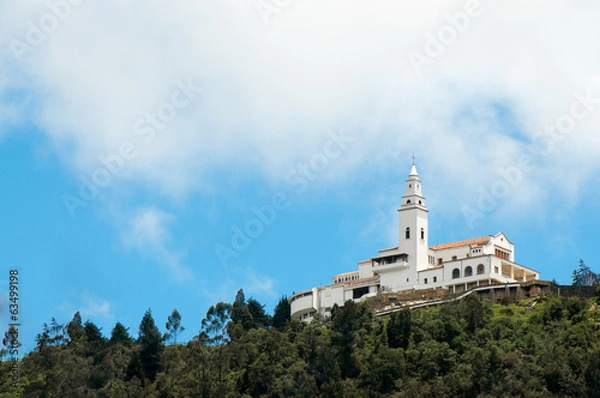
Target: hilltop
(546, 346)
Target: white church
(413, 265)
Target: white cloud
(89, 306)
(96, 308)
(259, 286)
(273, 91)
(254, 285)
(148, 232)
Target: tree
(554, 309)
(583, 276)
(214, 331)
(315, 348)
(476, 314)
(260, 319)
(346, 321)
(120, 335)
(214, 325)
(75, 327)
(173, 326)
(52, 335)
(240, 313)
(92, 332)
(381, 370)
(281, 314)
(398, 329)
(150, 340)
(134, 368)
(240, 297)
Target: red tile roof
(483, 239)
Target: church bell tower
(413, 224)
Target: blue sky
(136, 141)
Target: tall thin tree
(173, 326)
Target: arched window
(422, 233)
(480, 269)
(468, 271)
(407, 233)
(455, 273)
(408, 202)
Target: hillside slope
(544, 348)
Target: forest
(539, 347)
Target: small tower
(413, 223)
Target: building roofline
(461, 243)
(346, 273)
(502, 233)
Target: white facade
(413, 265)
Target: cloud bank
(484, 96)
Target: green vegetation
(548, 347)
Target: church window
(434, 279)
(420, 202)
(454, 258)
(480, 269)
(440, 261)
(408, 202)
(496, 269)
(409, 185)
(468, 271)
(455, 273)
(422, 233)
(425, 280)
(407, 233)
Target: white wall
(430, 275)
(397, 280)
(462, 265)
(365, 270)
(302, 303)
(330, 295)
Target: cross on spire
(413, 158)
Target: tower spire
(413, 169)
(413, 223)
